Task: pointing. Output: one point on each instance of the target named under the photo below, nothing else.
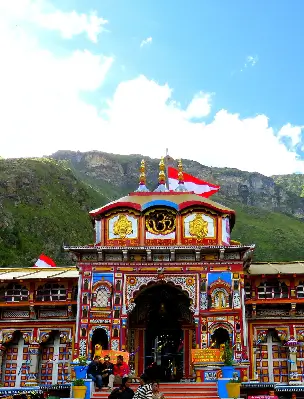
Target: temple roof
(276, 268)
(26, 273)
(178, 200)
(41, 273)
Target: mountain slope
(42, 205)
(45, 202)
(113, 174)
(267, 213)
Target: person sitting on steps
(120, 370)
(106, 370)
(94, 372)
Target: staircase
(192, 390)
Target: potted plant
(79, 388)
(234, 386)
(80, 367)
(227, 369)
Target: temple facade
(164, 282)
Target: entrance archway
(162, 311)
(100, 337)
(219, 337)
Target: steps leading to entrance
(191, 390)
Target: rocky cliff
(117, 174)
(45, 202)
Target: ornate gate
(271, 360)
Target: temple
(164, 282)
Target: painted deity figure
(220, 300)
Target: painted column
(141, 351)
(123, 333)
(2, 353)
(197, 332)
(34, 350)
(186, 333)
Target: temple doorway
(163, 312)
(99, 337)
(219, 337)
(272, 359)
(15, 365)
(54, 360)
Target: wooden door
(271, 361)
(15, 363)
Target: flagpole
(167, 167)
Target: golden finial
(142, 177)
(180, 172)
(162, 175)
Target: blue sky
(243, 61)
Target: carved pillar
(34, 350)
(187, 352)
(2, 353)
(123, 333)
(197, 332)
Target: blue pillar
(221, 387)
(89, 384)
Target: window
(51, 292)
(300, 290)
(16, 293)
(272, 289)
(101, 298)
(248, 290)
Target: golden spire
(162, 175)
(181, 186)
(162, 187)
(180, 172)
(142, 178)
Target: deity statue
(220, 300)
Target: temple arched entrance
(220, 336)
(100, 337)
(161, 331)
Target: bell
(162, 309)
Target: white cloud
(43, 14)
(251, 61)
(291, 132)
(199, 107)
(42, 111)
(146, 41)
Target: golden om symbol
(160, 222)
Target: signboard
(205, 355)
(263, 397)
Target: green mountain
(44, 203)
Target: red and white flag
(44, 261)
(193, 184)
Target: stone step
(176, 391)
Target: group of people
(105, 373)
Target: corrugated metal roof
(41, 273)
(28, 273)
(277, 268)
